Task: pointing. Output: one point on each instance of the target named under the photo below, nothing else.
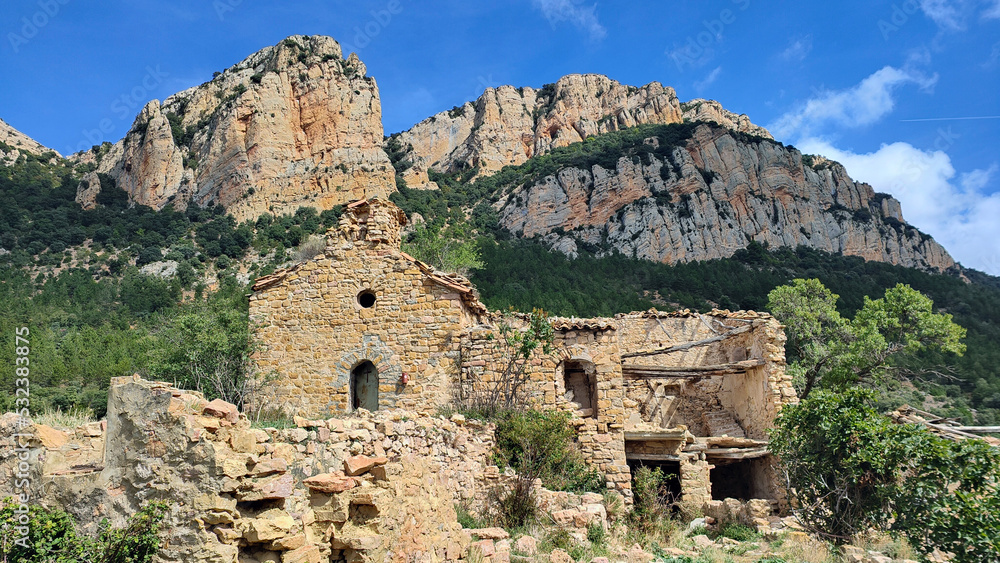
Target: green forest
(73, 277)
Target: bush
(842, 461)
(52, 537)
(738, 532)
(513, 505)
(851, 469)
(540, 445)
(651, 498)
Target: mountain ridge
(298, 124)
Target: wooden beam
(736, 453)
(652, 457)
(688, 345)
(665, 435)
(638, 371)
(979, 429)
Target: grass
(467, 519)
(68, 420)
(272, 418)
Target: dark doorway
(732, 480)
(364, 387)
(581, 386)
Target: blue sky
(858, 82)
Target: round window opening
(366, 299)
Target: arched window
(580, 380)
(364, 387)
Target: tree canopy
(830, 350)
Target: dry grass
(897, 548)
(798, 546)
(68, 420)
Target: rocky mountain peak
(13, 141)
(508, 125)
(292, 125)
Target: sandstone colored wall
(749, 400)
(256, 495)
(316, 332)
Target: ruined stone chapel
(366, 326)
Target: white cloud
(557, 11)
(958, 210)
(860, 105)
(992, 12)
(954, 15)
(946, 13)
(708, 80)
(798, 50)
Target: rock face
(508, 125)
(709, 199)
(293, 125)
(713, 112)
(16, 141)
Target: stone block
(330, 483)
(356, 465)
(269, 466)
(489, 533)
(221, 409)
(486, 548)
(526, 545)
(559, 555)
(273, 488)
(268, 526)
(304, 554)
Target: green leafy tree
(951, 500)
(500, 387)
(452, 248)
(209, 347)
(829, 350)
(850, 469)
(842, 461)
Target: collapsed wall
(691, 393)
(372, 487)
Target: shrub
(596, 534)
(52, 537)
(738, 532)
(513, 505)
(540, 444)
(651, 497)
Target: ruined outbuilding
(366, 326)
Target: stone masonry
(693, 393)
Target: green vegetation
(540, 444)
(452, 248)
(652, 499)
(53, 537)
(825, 348)
(852, 469)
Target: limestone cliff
(13, 141)
(707, 197)
(508, 125)
(296, 124)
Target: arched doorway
(364, 387)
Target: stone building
(364, 325)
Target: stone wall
(317, 330)
(743, 404)
(599, 431)
(370, 487)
